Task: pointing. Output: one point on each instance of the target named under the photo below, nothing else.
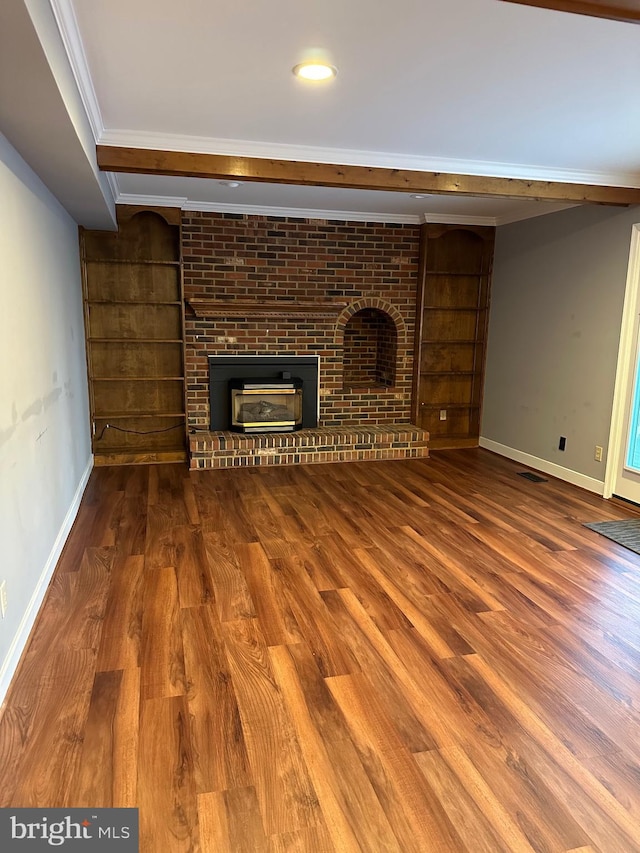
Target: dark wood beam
(145, 161)
(615, 10)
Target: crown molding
(352, 157)
(266, 210)
(151, 200)
(457, 219)
(527, 212)
(306, 213)
(112, 182)
(67, 23)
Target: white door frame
(625, 365)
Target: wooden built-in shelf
(133, 299)
(453, 442)
(129, 456)
(116, 416)
(131, 302)
(448, 273)
(455, 308)
(138, 378)
(447, 406)
(453, 436)
(137, 262)
(450, 341)
(286, 308)
(135, 340)
(454, 278)
(451, 373)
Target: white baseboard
(10, 663)
(566, 474)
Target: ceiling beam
(615, 10)
(143, 161)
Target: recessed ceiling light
(232, 184)
(417, 195)
(315, 71)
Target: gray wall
(556, 309)
(45, 452)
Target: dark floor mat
(626, 533)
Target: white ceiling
(467, 86)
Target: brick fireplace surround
(344, 291)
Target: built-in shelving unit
(451, 330)
(134, 324)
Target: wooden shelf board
(118, 416)
(111, 261)
(441, 341)
(471, 308)
(450, 442)
(136, 340)
(474, 274)
(151, 304)
(127, 456)
(448, 406)
(137, 378)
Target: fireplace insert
(265, 370)
(270, 405)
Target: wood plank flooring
(426, 655)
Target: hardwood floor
(428, 655)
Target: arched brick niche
(369, 334)
(369, 350)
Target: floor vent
(533, 477)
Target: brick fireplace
(341, 291)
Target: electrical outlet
(443, 414)
(3, 598)
(598, 454)
(562, 443)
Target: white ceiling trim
(265, 210)
(457, 219)
(303, 212)
(151, 200)
(66, 20)
(112, 181)
(352, 157)
(526, 212)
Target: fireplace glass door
(266, 406)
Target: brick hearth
(307, 446)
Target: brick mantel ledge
(263, 308)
